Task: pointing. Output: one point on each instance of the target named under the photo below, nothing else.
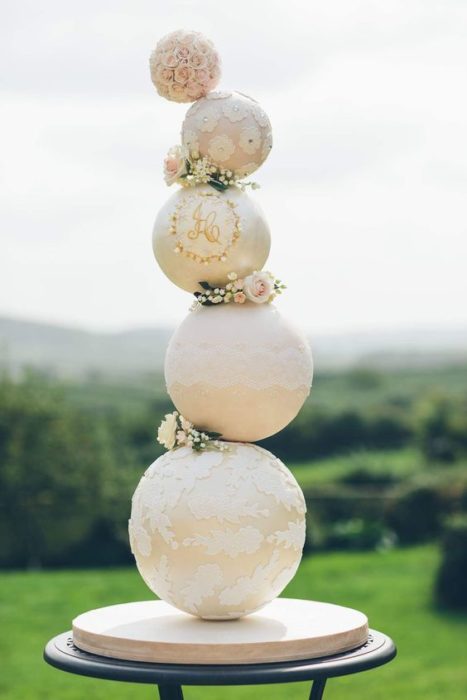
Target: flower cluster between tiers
(188, 171)
(176, 431)
(259, 287)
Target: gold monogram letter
(204, 226)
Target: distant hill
(71, 352)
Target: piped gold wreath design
(206, 227)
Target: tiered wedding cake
(218, 524)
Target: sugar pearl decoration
(218, 534)
(202, 235)
(184, 66)
(230, 129)
(241, 370)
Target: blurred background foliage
(380, 455)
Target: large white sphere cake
(239, 370)
(230, 129)
(217, 534)
(201, 234)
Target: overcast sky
(364, 190)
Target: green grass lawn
(401, 463)
(393, 588)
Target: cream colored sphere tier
(217, 534)
(202, 235)
(239, 370)
(230, 129)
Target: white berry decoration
(184, 66)
(230, 129)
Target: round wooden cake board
(284, 630)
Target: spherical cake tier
(230, 129)
(202, 235)
(285, 630)
(217, 534)
(184, 66)
(239, 370)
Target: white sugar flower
(250, 139)
(235, 110)
(261, 116)
(186, 424)
(221, 147)
(181, 437)
(208, 119)
(167, 430)
(190, 140)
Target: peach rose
(175, 164)
(202, 77)
(177, 92)
(198, 60)
(194, 90)
(258, 287)
(183, 52)
(170, 60)
(239, 298)
(181, 74)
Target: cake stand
(288, 640)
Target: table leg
(317, 689)
(170, 692)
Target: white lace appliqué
(245, 540)
(242, 507)
(223, 365)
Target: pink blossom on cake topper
(184, 66)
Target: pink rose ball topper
(184, 66)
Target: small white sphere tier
(201, 234)
(231, 129)
(239, 370)
(217, 534)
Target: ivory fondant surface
(286, 629)
(240, 370)
(201, 234)
(231, 129)
(217, 534)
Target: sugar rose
(166, 435)
(175, 164)
(258, 287)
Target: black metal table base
(175, 692)
(61, 653)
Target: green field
(400, 464)
(393, 588)
(351, 389)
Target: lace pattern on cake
(246, 540)
(191, 507)
(220, 365)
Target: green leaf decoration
(204, 285)
(219, 186)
